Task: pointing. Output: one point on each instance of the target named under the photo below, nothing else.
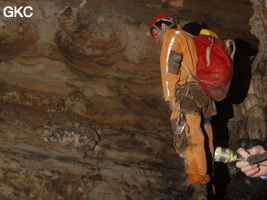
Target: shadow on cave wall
(237, 93)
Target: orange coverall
(178, 46)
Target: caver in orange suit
(192, 104)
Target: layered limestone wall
(82, 111)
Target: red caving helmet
(160, 17)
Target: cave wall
(250, 113)
(82, 110)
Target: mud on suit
(192, 106)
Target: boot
(199, 192)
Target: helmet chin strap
(165, 20)
(162, 31)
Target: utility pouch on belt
(182, 91)
(191, 99)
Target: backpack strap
(228, 44)
(189, 72)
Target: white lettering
(17, 11)
(8, 13)
(24, 11)
(13, 12)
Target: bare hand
(254, 170)
(172, 105)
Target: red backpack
(214, 66)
